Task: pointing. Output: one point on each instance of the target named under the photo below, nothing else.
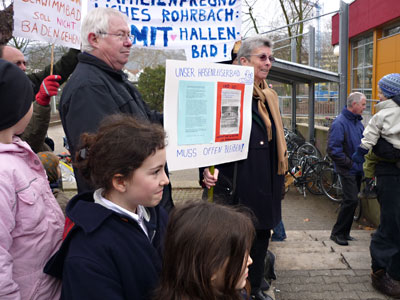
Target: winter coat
(95, 91)
(31, 225)
(385, 123)
(36, 130)
(258, 186)
(344, 137)
(106, 255)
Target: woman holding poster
(259, 179)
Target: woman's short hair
(96, 21)
(201, 238)
(249, 44)
(120, 146)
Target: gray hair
(96, 21)
(248, 46)
(354, 97)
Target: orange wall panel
(388, 56)
(386, 50)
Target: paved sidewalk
(310, 266)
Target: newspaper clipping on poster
(207, 113)
(205, 29)
(53, 21)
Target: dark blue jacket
(106, 255)
(344, 137)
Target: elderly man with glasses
(98, 87)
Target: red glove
(48, 88)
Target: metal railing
(326, 106)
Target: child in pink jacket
(31, 221)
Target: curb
(182, 184)
(55, 123)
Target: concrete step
(313, 250)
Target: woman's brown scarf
(264, 94)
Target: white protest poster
(207, 113)
(53, 21)
(206, 29)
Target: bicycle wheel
(358, 212)
(308, 149)
(331, 185)
(313, 177)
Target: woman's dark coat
(258, 186)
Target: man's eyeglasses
(264, 57)
(121, 36)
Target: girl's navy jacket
(106, 255)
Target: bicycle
(304, 164)
(330, 182)
(306, 174)
(306, 149)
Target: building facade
(374, 43)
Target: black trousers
(385, 243)
(258, 252)
(350, 186)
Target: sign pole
(53, 103)
(211, 190)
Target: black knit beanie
(16, 94)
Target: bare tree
(297, 11)
(249, 16)
(6, 23)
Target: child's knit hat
(390, 85)
(16, 94)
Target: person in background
(98, 87)
(51, 164)
(382, 135)
(113, 243)
(382, 126)
(259, 178)
(279, 233)
(31, 223)
(44, 87)
(344, 137)
(213, 242)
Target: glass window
(361, 65)
(391, 31)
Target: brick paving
(321, 269)
(325, 285)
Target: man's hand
(48, 88)
(358, 156)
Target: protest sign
(206, 29)
(53, 21)
(207, 113)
